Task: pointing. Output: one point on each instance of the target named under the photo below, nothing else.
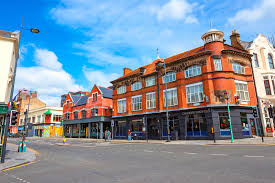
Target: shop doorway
(253, 127)
(153, 128)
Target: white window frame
(192, 71)
(174, 97)
(137, 103)
(150, 81)
(218, 64)
(238, 68)
(121, 89)
(171, 77)
(197, 94)
(121, 105)
(136, 86)
(246, 92)
(151, 100)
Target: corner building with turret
(199, 84)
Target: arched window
(170, 77)
(192, 71)
(270, 61)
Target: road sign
(112, 123)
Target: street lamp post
(33, 30)
(27, 113)
(162, 64)
(229, 118)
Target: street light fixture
(162, 64)
(229, 118)
(33, 30)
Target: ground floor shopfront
(47, 129)
(267, 108)
(189, 124)
(87, 128)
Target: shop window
(194, 70)
(194, 93)
(136, 126)
(266, 116)
(173, 126)
(136, 86)
(150, 100)
(256, 62)
(242, 90)
(137, 103)
(267, 85)
(57, 118)
(120, 128)
(169, 77)
(150, 81)
(245, 125)
(172, 98)
(217, 64)
(121, 105)
(121, 89)
(224, 124)
(196, 125)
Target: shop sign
(3, 109)
(20, 128)
(269, 129)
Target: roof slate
(82, 100)
(107, 93)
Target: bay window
(242, 90)
(217, 64)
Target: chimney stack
(126, 71)
(235, 39)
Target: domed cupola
(212, 35)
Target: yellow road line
(17, 166)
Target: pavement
(247, 141)
(85, 161)
(14, 158)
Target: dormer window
(238, 68)
(192, 71)
(136, 86)
(94, 97)
(121, 89)
(170, 77)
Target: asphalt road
(88, 162)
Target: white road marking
(248, 156)
(190, 153)
(219, 154)
(167, 152)
(148, 151)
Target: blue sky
(87, 42)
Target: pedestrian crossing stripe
(46, 131)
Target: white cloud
(178, 10)
(100, 78)
(265, 9)
(50, 81)
(47, 59)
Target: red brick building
(197, 81)
(88, 115)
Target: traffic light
(255, 113)
(13, 117)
